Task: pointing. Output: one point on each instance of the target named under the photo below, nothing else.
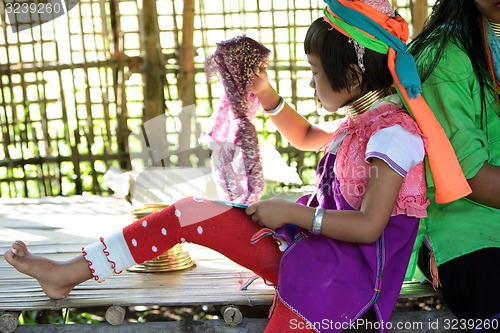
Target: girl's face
(489, 8)
(323, 91)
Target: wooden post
(8, 322)
(115, 315)
(154, 71)
(419, 13)
(154, 103)
(123, 131)
(186, 81)
(232, 315)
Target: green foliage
(141, 316)
(65, 316)
(137, 314)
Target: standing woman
(458, 58)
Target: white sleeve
(400, 149)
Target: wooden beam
(250, 325)
(401, 322)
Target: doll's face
(323, 91)
(489, 8)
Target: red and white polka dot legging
(224, 229)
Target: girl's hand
(261, 85)
(271, 213)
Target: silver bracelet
(319, 213)
(277, 109)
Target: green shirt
(452, 92)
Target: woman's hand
(271, 213)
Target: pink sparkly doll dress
(233, 137)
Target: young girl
(458, 54)
(347, 245)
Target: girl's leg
(219, 227)
(224, 229)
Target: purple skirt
(331, 284)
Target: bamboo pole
(154, 104)
(117, 65)
(154, 100)
(8, 322)
(186, 80)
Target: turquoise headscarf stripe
(367, 41)
(406, 68)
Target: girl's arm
(363, 226)
(295, 128)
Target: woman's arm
(363, 226)
(295, 128)
(452, 92)
(485, 186)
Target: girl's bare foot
(56, 278)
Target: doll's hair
(337, 56)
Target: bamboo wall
(79, 92)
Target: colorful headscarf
(384, 34)
(233, 138)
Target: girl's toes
(19, 248)
(9, 255)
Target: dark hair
(458, 21)
(337, 55)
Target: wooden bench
(59, 227)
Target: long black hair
(337, 55)
(458, 21)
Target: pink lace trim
(96, 277)
(353, 171)
(113, 264)
(415, 206)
